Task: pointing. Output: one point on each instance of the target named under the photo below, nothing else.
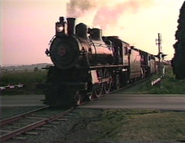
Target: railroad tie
(19, 138)
(55, 123)
(48, 125)
(41, 129)
(36, 117)
(32, 133)
(4, 131)
(61, 119)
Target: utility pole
(161, 68)
(158, 42)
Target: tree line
(178, 61)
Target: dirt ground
(112, 126)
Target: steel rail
(117, 90)
(129, 85)
(33, 126)
(17, 117)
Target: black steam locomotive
(87, 64)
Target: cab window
(126, 50)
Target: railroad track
(11, 128)
(17, 117)
(120, 89)
(130, 85)
(15, 127)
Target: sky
(28, 25)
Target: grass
(168, 85)
(29, 79)
(141, 125)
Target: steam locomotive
(87, 64)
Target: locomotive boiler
(69, 49)
(87, 64)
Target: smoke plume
(108, 16)
(105, 15)
(77, 8)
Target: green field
(29, 78)
(168, 85)
(141, 125)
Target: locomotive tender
(87, 64)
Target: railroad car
(87, 64)
(148, 63)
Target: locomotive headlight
(59, 28)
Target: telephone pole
(158, 42)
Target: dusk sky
(28, 25)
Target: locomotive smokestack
(70, 26)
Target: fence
(158, 80)
(11, 86)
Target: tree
(36, 69)
(178, 61)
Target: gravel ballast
(109, 125)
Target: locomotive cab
(120, 50)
